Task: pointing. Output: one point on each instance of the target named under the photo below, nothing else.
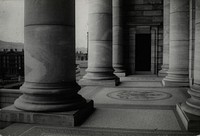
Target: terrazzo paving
(141, 84)
(140, 106)
(38, 130)
(137, 96)
(137, 103)
(133, 119)
(133, 78)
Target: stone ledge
(191, 122)
(123, 74)
(4, 124)
(86, 82)
(70, 119)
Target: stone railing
(8, 96)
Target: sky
(12, 21)
(81, 22)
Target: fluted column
(50, 83)
(166, 16)
(178, 73)
(100, 70)
(192, 105)
(118, 43)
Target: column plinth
(178, 73)
(189, 111)
(100, 70)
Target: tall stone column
(50, 83)
(178, 73)
(100, 70)
(191, 108)
(192, 41)
(166, 17)
(118, 43)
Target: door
(143, 52)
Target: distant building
(81, 56)
(11, 64)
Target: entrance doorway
(143, 52)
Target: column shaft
(50, 83)
(166, 21)
(100, 44)
(192, 41)
(178, 74)
(118, 43)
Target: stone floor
(139, 106)
(37, 130)
(136, 105)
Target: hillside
(11, 45)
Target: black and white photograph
(99, 67)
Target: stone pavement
(37, 130)
(123, 111)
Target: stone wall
(143, 14)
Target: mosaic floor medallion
(141, 95)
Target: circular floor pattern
(141, 95)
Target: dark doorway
(143, 52)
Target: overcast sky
(12, 21)
(81, 23)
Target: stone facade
(143, 17)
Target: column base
(175, 81)
(121, 74)
(88, 82)
(67, 119)
(171, 83)
(38, 97)
(119, 70)
(176, 78)
(162, 73)
(191, 122)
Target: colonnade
(178, 25)
(50, 83)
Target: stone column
(100, 70)
(166, 13)
(118, 43)
(178, 73)
(50, 83)
(192, 41)
(192, 105)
